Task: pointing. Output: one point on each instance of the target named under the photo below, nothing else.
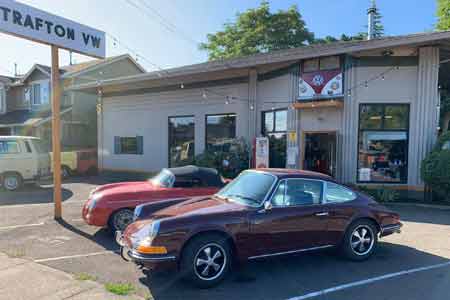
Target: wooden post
(56, 128)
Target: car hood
(126, 188)
(199, 206)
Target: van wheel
(12, 181)
(206, 260)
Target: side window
(336, 194)
(28, 147)
(294, 192)
(9, 147)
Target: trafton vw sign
(37, 25)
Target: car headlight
(93, 201)
(143, 240)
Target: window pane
(281, 120)
(303, 192)
(181, 140)
(268, 121)
(329, 63)
(311, 65)
(396, 117)
(383, 156)
(278, 197)
(27, 146)
(371, 116)
(45, 94)
(9, 147)
(220, 131)
(277, 150)
(336, 193)
(36, 93)
(128, 145)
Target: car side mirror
(268, 205)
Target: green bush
(229, 159)
(382, 194)
(436, 172)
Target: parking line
(21, 226)
(368, 281)
(74, 256)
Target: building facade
(364, 112)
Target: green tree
(258, 31)
(443, 14)
(378, 28)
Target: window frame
(169, 135)
(382, 129)
(219, 115)
(274, 122)
(42, 84)
(274, 191)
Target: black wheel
(206, 260)
(65, 172)
(120, 220)
(12, 181)
(360, 240)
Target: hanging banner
(262, 152)
(37, 25)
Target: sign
(33, 24)
(292, 153)
(262, 152)
(320, 84)
(292, 136)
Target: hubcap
(362, 240)
(210, 262)
(11, 183)
(122, 219)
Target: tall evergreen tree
(378, 25)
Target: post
(56, 146)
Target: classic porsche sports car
(262, 213)
(112, 205)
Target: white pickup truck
(23, 159)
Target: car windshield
(165, 178)
(250, 188)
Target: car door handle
(322, 214)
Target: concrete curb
(422, 205)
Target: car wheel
(12, 181)
(206, 260)
(360, 240)
(121, 219)
(65, 172)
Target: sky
(166, 33)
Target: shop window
(383, 143)
(129, 145)
(274, 126)
(220, 131)
(323, 64)
(181, 140)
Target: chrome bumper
(390, 229)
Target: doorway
(320, 152)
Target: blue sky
(142, 31)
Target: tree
(378, 28)
(258, 31)
(443, 14)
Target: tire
(12, 181)
(360, 240)
(65, 172)
(120, 219)
(206, 268)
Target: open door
(320, 149)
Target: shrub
(382, 194)
(229, 159)
(436, 172)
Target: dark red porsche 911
(262, 213)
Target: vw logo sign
(318, 80)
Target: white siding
(148, 114)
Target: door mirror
(267, 205)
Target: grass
(85, 276)
(121, 289)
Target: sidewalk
(25, 279)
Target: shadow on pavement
(31, 194)
(292, 276)
(418, 214)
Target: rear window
(9, 147)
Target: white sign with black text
(37, 25)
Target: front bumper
(390, 229)
(153, 262)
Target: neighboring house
(362, 111)
(25, 102)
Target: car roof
(208, 175)
(285, 173)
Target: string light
(182, 86)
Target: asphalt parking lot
(411, 265)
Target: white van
(23, 159)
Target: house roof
(280, 56)
(27, 117)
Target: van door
(42, 157)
